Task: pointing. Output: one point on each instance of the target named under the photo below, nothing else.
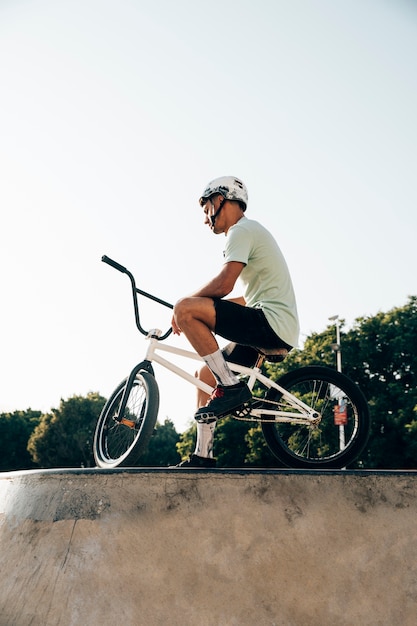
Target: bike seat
(274, 355)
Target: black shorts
(245, 326)
(242, 355)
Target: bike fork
(144, 365)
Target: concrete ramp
(212, 548)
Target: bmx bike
(312, 417)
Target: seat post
(260, 360)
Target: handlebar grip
(114, 264)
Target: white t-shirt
(265, 277)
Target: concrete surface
(177, 547)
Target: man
(265, 317)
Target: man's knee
(182, 309)
(195, 308)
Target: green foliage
(236, 444)
(64, 437)
(258, 454)
(15, 430)
(186, 443)
(380, 354)
(162, 446)
(230, 444)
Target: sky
(114, 114)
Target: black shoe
(223, 401)
(196, 461)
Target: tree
(230, 444)
(64, 437)
(380, 354)
(236, 444)
(161, 450)
(186, 443)
(258, 454)
(241, 444)
(15, 430)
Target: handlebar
(135, 292)
(114, 264)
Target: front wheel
(119, 440)
(343, 431)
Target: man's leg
(196, 317)
(206, 376)
(205, 432)
(203, 453)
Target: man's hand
(175, 328)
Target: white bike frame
(303, 414)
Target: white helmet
(230, 187)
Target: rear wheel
(119, 440)
(343, 431)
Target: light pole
(336, 347)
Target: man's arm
(217, 287)
(222, 284)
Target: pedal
(206, 418)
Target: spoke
(119, 435)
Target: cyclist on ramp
(264, 318)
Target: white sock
(205, 439)
(220, 369)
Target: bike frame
(303, 414)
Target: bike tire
(118, 443)
(316, 447)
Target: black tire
(121, 444)
(301, 446)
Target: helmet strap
(213, 217)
